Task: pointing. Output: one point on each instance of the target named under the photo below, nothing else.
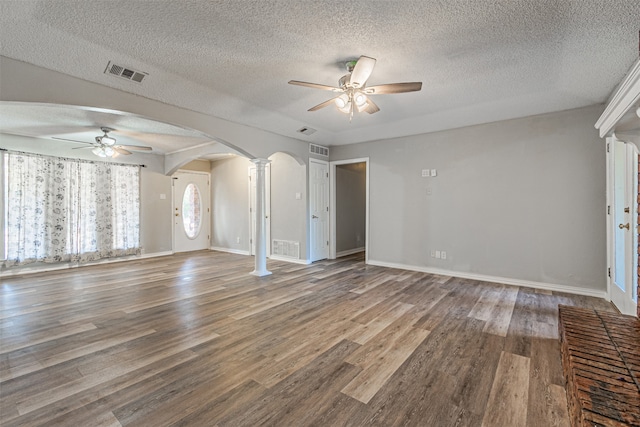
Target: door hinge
(609, 271)
(327, 243)
(609, 210)
(607, 147)
(250, 241)
(327, 174)
(327, 208)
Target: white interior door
(624, 233)
(267, 206)
(319, 209)
(191, 211)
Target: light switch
(163, 196)
(298, 196)
(425, 173)
(438, 255)
(434, 172)
(443, 254)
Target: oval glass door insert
(191, 211)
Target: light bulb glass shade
(360, 99)
(347, 108)
(108, 151)
(362, 107)
(107, 140)
(638, 112)
(342, 101)
(99, 151)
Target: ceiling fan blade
(81, 148)
(322, 105)
(315, 85)
(362, 71)
(121, 150)
(393, 88)
(135, 147)
(371, 107)
(72, 140)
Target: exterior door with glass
(623, 225)
(191, 211)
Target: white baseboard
(495, 279)
(230, 250)
(287, 259)
(349, 252)
(42, 268)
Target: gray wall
(230, 203)
(288, 214)
(351, 182)
(521, 199)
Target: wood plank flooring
(194, 340)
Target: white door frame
(309, 219)
(267, 208)
(173, 205)
(623, 302)
(332, 208)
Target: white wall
(521, 199)
(230, 204)
(288, 214)
(351, 185)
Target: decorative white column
(261, 223)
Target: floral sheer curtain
(61, 209)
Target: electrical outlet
(429, 191)
(433, 253)
(443, 254)
(237, 239)
(434, 172)
(438, 254)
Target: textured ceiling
(479, 61)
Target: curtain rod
(24, 152)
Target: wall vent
(307, 130)
(125, 72)
(285, 248)
(319, 149)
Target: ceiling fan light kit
(354, 91)
(105, 145)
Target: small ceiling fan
(354, 93)
(105, 145)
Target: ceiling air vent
(125, 72)
(306, 130)
(318, 149)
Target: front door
(624, 233)
(191, 217)
(319, 209)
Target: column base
(260, 273)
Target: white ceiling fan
(354, 93)
(105, 145)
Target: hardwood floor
(194, 340)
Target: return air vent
(319, 149)
(285, 248)
(125, 72)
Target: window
(61, 209)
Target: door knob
(620, 226)
(314, 217)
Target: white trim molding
(287, 259)
(495, 279)
(625, 97)
(229, 250)
(350, 252)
